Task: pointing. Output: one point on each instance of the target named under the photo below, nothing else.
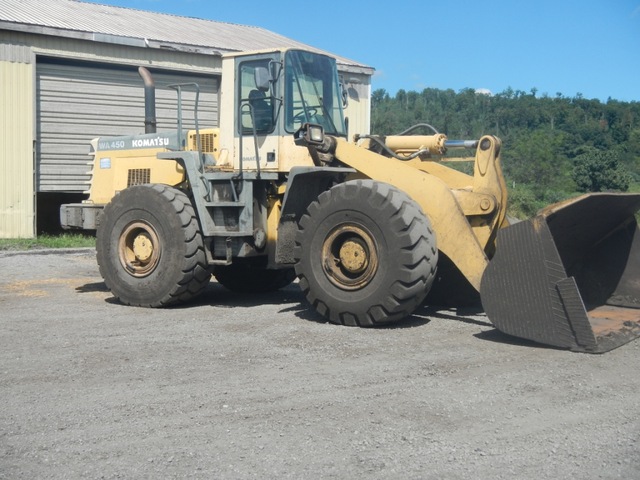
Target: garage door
(80, 101)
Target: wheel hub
(349, 257)
(139, 249)
(353, 256)
(142, 247)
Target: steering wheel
(301, 117)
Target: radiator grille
(207, 142)
(138, 176)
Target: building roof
(127, 26)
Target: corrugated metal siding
(78, 102)
(359, 105)
(17, 217)
(15, 53)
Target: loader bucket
(569, 277)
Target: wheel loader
(368, 225)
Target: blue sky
(590, 47)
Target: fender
(304, 185)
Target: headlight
(309, 134)
(315, 134)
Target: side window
(255, 102)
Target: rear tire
(365, 254)
(149, 247)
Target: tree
(378, 96)
(532, 158)
(599, 170)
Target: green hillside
(553, 147)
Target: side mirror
(276, 69)
(343, 92)
(262, 78)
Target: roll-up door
(77, 102)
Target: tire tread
(413, 235)
(194, 275)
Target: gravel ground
(238, 386)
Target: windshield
(312, 92)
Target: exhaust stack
(149, 101)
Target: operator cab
(276, 92)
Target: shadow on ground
(292, 300)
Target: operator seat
(261, 108)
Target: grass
(64, 240)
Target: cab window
(255, 102)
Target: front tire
(149, 247)
(365, 254)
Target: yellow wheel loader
(367, 225)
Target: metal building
(68, 73)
